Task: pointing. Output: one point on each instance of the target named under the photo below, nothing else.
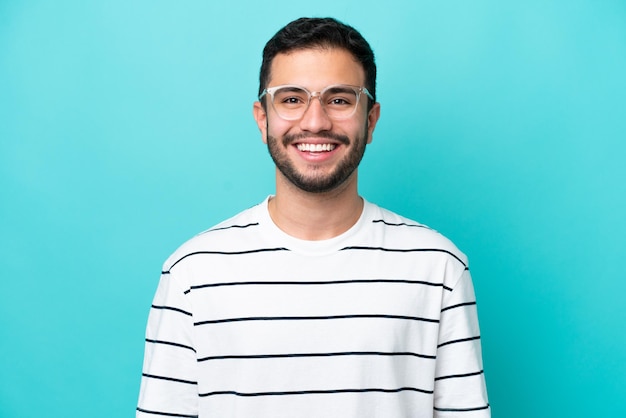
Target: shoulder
(226, 236)
(410, 234)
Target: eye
(291, 96)
(293, 100)
(339, 101)
(339, 97)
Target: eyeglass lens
(339, 102)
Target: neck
(315, 216)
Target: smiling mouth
(316, 147)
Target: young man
(315, 303)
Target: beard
(317, 181)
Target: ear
(372, 119)
(260, 116)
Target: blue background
(126, 128)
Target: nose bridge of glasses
(315, 95)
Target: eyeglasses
(339, 101)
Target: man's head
(307, 33)
(319, 76)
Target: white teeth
(316, 147)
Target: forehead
(316, 68)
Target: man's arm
(460, 389)
(169, 384)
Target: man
(315, 303)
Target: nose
(315, 118)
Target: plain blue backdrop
(126, 128)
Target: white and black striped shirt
(250, 322)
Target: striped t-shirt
(249, 322)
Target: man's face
(316, 153)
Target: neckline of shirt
(312, 247)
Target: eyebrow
(291, 88)
(340, 89)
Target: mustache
(342, 139)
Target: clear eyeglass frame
(296, 111)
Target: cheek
(359, 129)
(277, 127)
